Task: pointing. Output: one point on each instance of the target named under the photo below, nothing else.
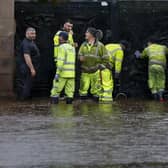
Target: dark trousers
(24, 83)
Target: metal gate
(134, 21)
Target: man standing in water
(28, 64)
(156, 54)
(114, 63)
(65, 73)
(90, 55)
(67, 27)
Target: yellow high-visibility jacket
(93, 54)
(156, 54)
(66, 61)
(56, 43)
(116, 56)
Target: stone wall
(6, 47)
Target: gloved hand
(56, 77)
(101, 67)
(137, 54)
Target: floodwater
(130, 134)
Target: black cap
(64, 35)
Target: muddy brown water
(130, 134)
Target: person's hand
(137, 54)
(56, 77)
(82, 58)
(71, 32)
(102, 67)
(33, 72)
(76, 45)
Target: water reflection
(83, 135)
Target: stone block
(7, 27)
(6, 46)
(6, 65)
(6, 8)
(6, 82)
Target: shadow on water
(131, 134)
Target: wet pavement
(131, 134)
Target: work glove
(137, 54)
(102, 67)
(56, 77)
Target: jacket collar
(95, 43)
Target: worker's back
(116, 55)
(114, 51)
(156, 54)
(112, 47)
(66, 53)
(156, 51)
(56, 42)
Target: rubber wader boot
(54, 100)
(69, 100)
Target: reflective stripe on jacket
(93, 55)
(56, 42)
(116, 56)
(66, 61)
(156, 54)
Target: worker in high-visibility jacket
(156, 55)
(113, 63)
(65, 73)
(68, 26)
(90, 56)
